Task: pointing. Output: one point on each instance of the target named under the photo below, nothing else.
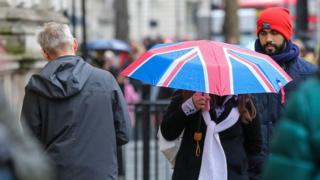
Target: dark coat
(269, 105)
(79, 115)
(295, 147)
(239, 141)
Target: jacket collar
(290, 53)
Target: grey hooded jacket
(79, 115)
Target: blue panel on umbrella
(154, 68)
(266, 68)
(190, 77)
(244, 80)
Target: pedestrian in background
(305, 52)
(274, 30)
(21, 158)
(237, 128)
(76, 111)
(295, 148)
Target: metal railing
(147, 159)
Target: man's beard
(278, 49)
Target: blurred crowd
(115, 61)
(311, 54)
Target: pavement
(163, 172)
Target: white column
(177, 10)
(204, 12)
(145, 17)
(139, 19)
(204, 9)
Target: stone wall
(20, 55)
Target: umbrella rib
(271, 62)
(149, 55)
(259, 75)
(230, 71)
(205, 70)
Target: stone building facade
(20, 55)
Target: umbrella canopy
(210, 67)
(112, 44)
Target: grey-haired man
(76, 111)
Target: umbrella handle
(197, 136)
(207, 106)
(283, 95)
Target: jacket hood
(61, 78)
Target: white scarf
(214, 164)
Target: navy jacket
(269, 105)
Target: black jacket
(79, 115)
(239, 141)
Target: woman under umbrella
(218, 140)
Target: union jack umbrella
(209, 67)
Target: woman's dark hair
(246, 108)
